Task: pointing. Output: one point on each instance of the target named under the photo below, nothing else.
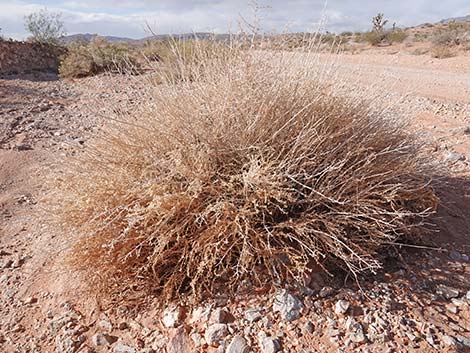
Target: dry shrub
(251, 169)
(97, 56)
(442, 52)
(396, 36)
(385, 37)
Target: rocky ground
(419, 303)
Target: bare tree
(46, 27)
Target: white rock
(200, 314)
(253, 315)
(196, 338)
(270, 345)
(106, 325)
(122, 348)
(214, 333)
(341, 307)
(102, 339)
(288, 305)
(172, 316)
(220, 316)
(238, 345)
(448, 340)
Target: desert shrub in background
(250, 166)
(452, 34)
(45, 27)
(77, 62)
(396, 36)
(113, 57)
(379, 34)
(386, 37)
(97, 56)
(447, 39)
(371, 37)
(442, 52)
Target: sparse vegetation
(442, 52)
(86, 59)
(45, 27)
(448, 38)
(453, 34)
(380, 35)
(250, 168)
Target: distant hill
(456, 19)
(86, 37)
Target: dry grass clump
(252, 169)
(176, 60)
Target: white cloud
(128, 17)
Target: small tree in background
(379, 22)
(46, 27)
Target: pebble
(221, 316)
(455, 255)
(179, 342)
(30, 300)
(200, 314)
(326, 292)
(453, 157)
(214, 333)
(253, 315)
(172, 316)
(196, 338)
(309, 327)
(464, 340)
(103, 339)
(106, 325)
(448, 340)
(452, 309)
(122, 325)
(430, 339)
(270, 345)
(341, 307)
(288, 305)
(122, 348)
(447, 292)
(238, 345)
(356, 333)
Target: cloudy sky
(127, 18)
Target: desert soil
(419, 303)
